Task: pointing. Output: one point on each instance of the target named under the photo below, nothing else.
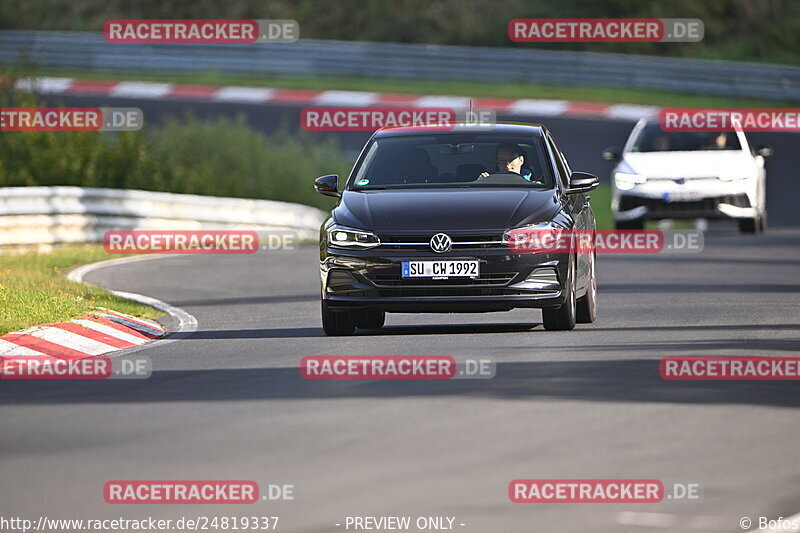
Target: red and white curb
(99, 333)
(263, 95)
(104, 332)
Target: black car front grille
(421, 242)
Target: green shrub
(220, 157)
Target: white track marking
(44, 85)
(9, 349)
(545, 108)
(141, 89)
(346, 98)
(111, 332)
(453, 102)
(247, 95)
(72, 341)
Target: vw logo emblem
(441, 242)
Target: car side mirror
(327, 185)
(612, 153)
(763, 150)
(582, 182)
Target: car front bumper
(353, 279)
(698, 198)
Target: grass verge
(601, 205)
(33, 291)
(486, 89)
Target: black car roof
(500, 128)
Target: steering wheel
(498, 173)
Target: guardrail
(89, 51)
(52, 215)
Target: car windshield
(452, 161)
(652, 138)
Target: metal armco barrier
(89, 51)
(52, 215)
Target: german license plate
(441, 269)
(682, 196)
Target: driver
(510, 158)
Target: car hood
(696, 164)
(478, 209)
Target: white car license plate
(682, 196)
(441, 269)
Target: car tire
(563, 318)
(636, 223)
(753, 226)
(586, 306)
(339, 323)
(370, 319)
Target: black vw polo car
(423, 222)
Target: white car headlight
(345, 237)
(626, 181)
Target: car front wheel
(337, 323)
(753, 225)
(587, 304)
(370, 319)
(563, 318)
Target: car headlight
(551, 225)
(626, 181)
(344, 237)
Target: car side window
(564, 162)
(561, 165)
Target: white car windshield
(652, 138)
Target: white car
(688, 175)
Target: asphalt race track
(229, 402)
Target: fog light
(340, 280)
(541, 279)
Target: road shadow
(246, 300)
(312, 332)
(695, 288)
(512, 327)
(630, 380)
